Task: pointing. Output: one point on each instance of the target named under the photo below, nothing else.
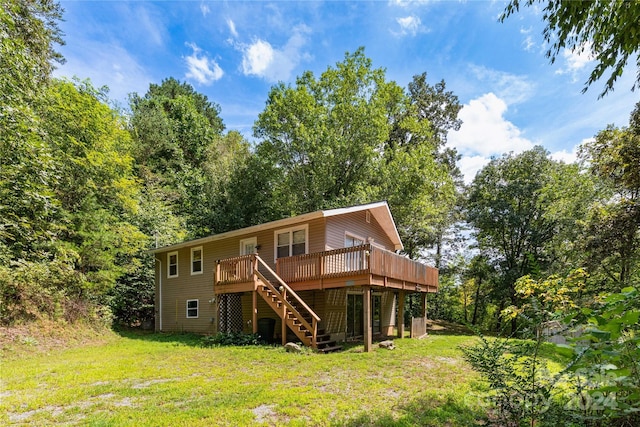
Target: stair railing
(288, 292)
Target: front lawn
(159, 379)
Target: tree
(606, 29)
(176, 131)
(417, 155)
(504, 207)
(612, 236)
(350, 136)
(28, 36)
(325, 135)
(96, 187)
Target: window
(192, 309)
(291, 242)
(196, 260)
(172, 265)
(350, 240)
(249, 246)
(353, 261)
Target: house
(326, 276)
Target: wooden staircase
(294, 312)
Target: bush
(231, 338)
(132, 299)
(32, 291)
(520, 381)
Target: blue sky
(235, 51)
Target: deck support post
(366, 308)
(254, 312)
(400, 314)
(423, 304)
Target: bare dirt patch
(264, 413)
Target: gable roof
(379, 210)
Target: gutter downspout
(160, 293)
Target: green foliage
(325, 134)
(608, 30)
(28, 35)
(607, 364)
(34, 291)
(612, 235)
(231, 338)
(132, 299)
(599, 384)
(519, 378)
(351, 136)
(506, 205)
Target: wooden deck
(364, 265)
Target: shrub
(231, 338)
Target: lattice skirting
(230, 313)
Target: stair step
(330, 349)
(323, 337)
(325, 344)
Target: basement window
(192, 309)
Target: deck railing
(235, 270)
(352, 261)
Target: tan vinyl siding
(355, 223)
(177, 290)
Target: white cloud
(232, 28)
(148, 24)
(408, 3)
(410, 25)
(579, 58)
(565, 156)
(485, 133)
(257, 58)
(204, 8)
(263, 60)
(202, 69)
(528, 44)
(512, 88)
(570, 156)
(576, 59)
(470, 165)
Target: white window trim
(194, 273)
(353, 236)
(169, 275)
(197, 309)
(243, 242)
(290, 230)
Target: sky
(234, 52)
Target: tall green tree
(175, 131)
(326, 134)
(606, 29)
(351, 136)
(29, 34)
(96, 186)
(612, 238)
(505, 208)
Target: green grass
(170, 380)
